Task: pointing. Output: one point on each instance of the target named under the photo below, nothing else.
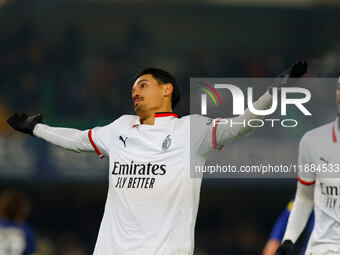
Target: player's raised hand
(24, 123)
(296, 70)
(286, 248)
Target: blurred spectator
(16, 236)
(4, 127)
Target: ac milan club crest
(166, 143)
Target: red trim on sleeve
(334, 134)
(165, 114)
(94, 145)
(304, 182)
(214, 135)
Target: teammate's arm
(302, 208)
(67, 138)
(304, 199)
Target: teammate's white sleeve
(67, 138)
(306, 176)
(302, 208)
(225, 132)
(304, 199)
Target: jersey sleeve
(98, 140)
(212, 134)
(302, 208)
(67, 138)
(101, 137)
(230, 129)
(305, 176)
(202, 132)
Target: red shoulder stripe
(334, 134)
(305, 182)
(214, 134)
(94, 145)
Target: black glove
(286, 248)
(297, 69)
(23, 123)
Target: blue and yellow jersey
(280, 225)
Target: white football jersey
(319, 156)
(152, 201)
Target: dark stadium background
(74, 61)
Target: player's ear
(168, 88)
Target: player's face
(147, 94)
(338, 98)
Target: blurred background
(74, 61)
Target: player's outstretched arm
(302, 208)
(67, 138)
(226, 133)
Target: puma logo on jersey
(208, 123)
(124, 141)
(324, 160)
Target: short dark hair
(163, 77)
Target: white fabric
(321, 148)
(67, 138)
(152, 201)
(302, 208)
(227, 134)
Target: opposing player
(152, 201)
(279, 229)
(16, 236)
(319, 148)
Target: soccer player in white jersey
(319, 149)
(152, 201)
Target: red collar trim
(334, 134)
(165, 114)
